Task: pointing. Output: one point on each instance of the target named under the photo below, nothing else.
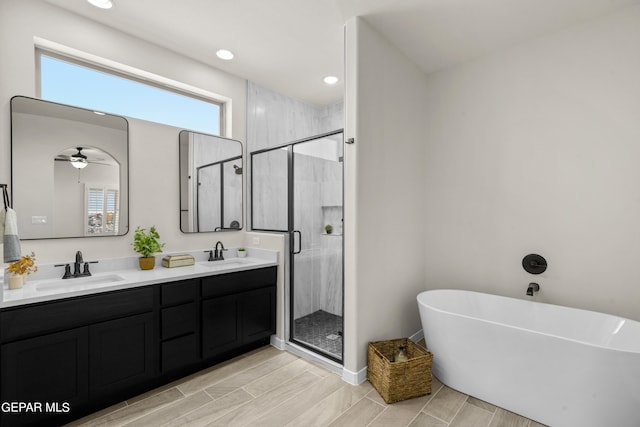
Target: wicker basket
(396, 381)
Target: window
(71, 82)
(101, 211)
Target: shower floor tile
(321, 330)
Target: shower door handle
(293, 241)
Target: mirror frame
(124, 169)
(185, 184)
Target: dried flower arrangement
(25, 265)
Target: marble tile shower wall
(270, 190)
(272, 120)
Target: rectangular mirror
(69, 170)
(210, 183)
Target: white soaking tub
(560, 366)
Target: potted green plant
(242, 252)
(147, 245)
(328, 228)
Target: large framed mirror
(69, 170)
(211, 183)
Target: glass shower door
(316, 246)
(296, 189)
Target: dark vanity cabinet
(237, 309)
(69, 357)
(73, 353)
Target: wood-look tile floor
(269, 387)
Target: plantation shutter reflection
(102, 211)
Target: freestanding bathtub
(560, 366)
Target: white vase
(15, 281)
(242, 254)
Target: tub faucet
(533, 287)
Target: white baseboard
(417, 336)
(278, 343)
(354, 378)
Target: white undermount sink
(78, 282)
(226, 263)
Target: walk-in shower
(296, 188)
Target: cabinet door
(220, 328)
(258, 314)
(48, 369)
(120, 356)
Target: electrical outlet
(256, 241)
(38, 219)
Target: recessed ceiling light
(102, 4)
(225, 54)
(331, 80)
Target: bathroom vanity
(75, 355)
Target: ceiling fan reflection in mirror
(79, 160)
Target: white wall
(384, 210)
(154, 184)
(536, 149)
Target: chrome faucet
(533, 287)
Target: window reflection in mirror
(210, 183)
(69, 170)
(89, 178)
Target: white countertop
(123, 273)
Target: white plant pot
(15, 281)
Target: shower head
(238, 169)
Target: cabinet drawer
(47, 317)
(179, 292)
(240, 281)
(178, 320)
(179, 353)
